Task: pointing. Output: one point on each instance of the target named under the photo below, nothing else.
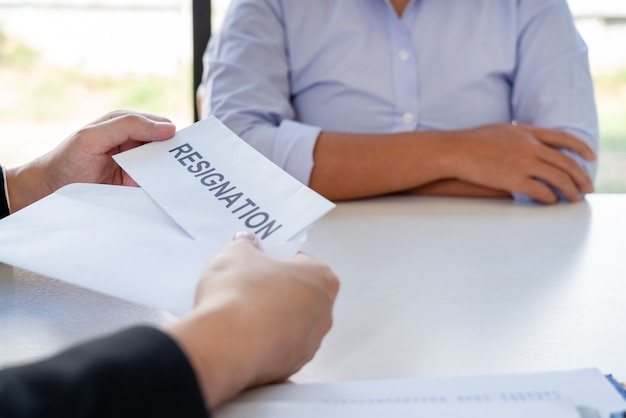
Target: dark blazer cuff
(4, 195)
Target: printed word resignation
(245, 209)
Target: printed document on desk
(145, 244)
(394, 410)
(586, 392)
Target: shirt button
(408, 118)
(403, 55)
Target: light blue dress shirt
(281, 71)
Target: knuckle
(131, 117)
(87, 136)
(329, 324)
(128, 119)
(332, 280)
(117, 113)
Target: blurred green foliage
(611, 99)
(42, 92)
(15, 53)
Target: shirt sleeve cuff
(293, 149)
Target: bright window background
(64, 63)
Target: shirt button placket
(404, 77)
(407, 117)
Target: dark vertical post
(201, 33)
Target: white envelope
(119, 241)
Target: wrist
(452, 154)
(18, 189)
(217, 353)
(25, 185)
(443, 154)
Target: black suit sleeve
(140, 372)
(4, 195)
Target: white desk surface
(430, 287)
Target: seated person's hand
(257, 319)
(498, 160)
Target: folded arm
(488, 161)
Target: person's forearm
(25, 186)
(352, 166)
(221, 371)
(495, 158)
(457, 188)
(19, 190)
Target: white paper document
(206, 178)
(150, 244)
(584, 393)
(321, 410)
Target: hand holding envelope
(150, 245)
